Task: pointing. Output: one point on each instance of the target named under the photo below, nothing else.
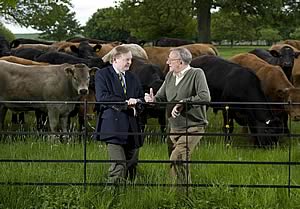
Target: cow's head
(80, 77)
(85, 50)
(292, 96)
(267, 131)
(286, 56)
(4, 47)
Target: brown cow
(274, 82)
(43, 83)
(22, 61)
(159, 55)
(294, 43)
(296, 67)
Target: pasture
(209, 172)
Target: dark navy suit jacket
(117, 118)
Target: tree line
(199, 20)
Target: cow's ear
(74, 49)
(97, 47)
(69, 71)
(274, 53)
(282, 93)
(296, 54)
(93, 70)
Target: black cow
(61, 57)
(4, 47)
(171, 42)
(230, 82)
(150, 76)
(283, 58)
(27, 53)
(89, 40)
(85, 50)
(15, 43)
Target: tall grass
(218, 176)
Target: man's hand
(132, 102)
(149, 97)
(176, 110)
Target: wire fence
(86, 135)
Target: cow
(150, 76)
(283, 58)
(275, 85)
(135, 49)
(21, 61)
(294, 43)
(133, 40)
(15, 43)
(27, 53)
(230, 82)
(61, 57)
(89, 40)
(159, 55)
(171, 42)
(296, 67)
(82, 49)
(43, 83)
(4, 47)
(85, 50)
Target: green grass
(219, 196)
(227, 51)
(210, 149)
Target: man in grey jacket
(183, 84)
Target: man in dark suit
(115, 83)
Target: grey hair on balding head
(184, 54)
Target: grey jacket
(193, 88)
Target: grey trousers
(119, 171)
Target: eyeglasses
(170, 59)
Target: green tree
(152, 19)
(270, 35)
(9, 36)
(106, 25)
(232, 27)
(296, 34)
(61, 28)
(262, 8)
(52, 17)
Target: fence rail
(85, 134)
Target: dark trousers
(119, 171)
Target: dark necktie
(122, 80)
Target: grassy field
(227, 51)
(211, 148)
(134, 196)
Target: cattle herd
(32, 70)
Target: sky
(84, 9)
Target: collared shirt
(179, 76)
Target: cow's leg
(14, 118)
(53, 119)
(227, 126)
(41, 120)
(3, 111)
(22, 117)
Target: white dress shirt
(179, 76)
